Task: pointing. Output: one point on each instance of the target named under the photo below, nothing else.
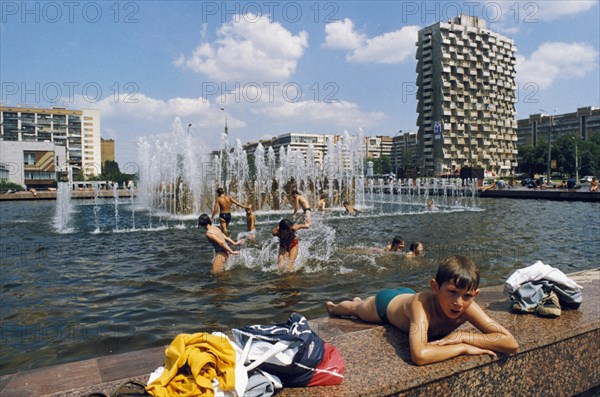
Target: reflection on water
(106, 288)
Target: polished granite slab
(557, 357)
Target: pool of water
(119, 278)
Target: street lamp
(188, 130)
(576, 161)
(224, 151)
(226, 130)
(549, 143)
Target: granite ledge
(557, 357)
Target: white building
(76, 130)
(32, 164)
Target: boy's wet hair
(204, 220)
(220, 191)
(460, 269)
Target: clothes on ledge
(532, 286)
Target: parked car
(587, 179)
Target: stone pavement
(557, 357)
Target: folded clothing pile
(543, 290)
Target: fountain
(64, 209)
(179, 176)
(134, 273)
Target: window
(29, 158)
(39, 175)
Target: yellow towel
(207, 357)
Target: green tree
(381, 165)
(532, 159)
(78, 175)
(111, 172)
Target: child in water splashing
(288, 243)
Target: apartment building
(76, 130)
(404, 151)
(583, 123)
(378, 146)
(466, 98)
(33, 164)
(295, 141)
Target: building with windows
(466, 96)
(295, 141)
(378, 146)
(33, 164)
(404, 151)
(78, 131)
(374, 146)
(584, 123)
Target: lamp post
(549, 143)
(224, 151)
(576, 161)
(188, 129)
(226, 129)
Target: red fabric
(330, 370)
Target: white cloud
(390, 47)
(509, 17)
(248, 48)
(341, 114)
(125, 122)
(341, 35)
(551, 10)
(556, 60)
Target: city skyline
(269, 68)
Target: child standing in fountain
(436, 314)
(288, 243)
(223, 206)
(300, 201)
(250, 221)
(219, 242)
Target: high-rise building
(77, 130)
(466, 98)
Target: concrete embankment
(51, 195)
(516, 193)
(581, 194)
(557, 357)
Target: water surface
(118, 279)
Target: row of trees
(110, 172)
(534, 159)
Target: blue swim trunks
(383, 299)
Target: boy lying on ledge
(436, 314)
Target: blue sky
(275, 67)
